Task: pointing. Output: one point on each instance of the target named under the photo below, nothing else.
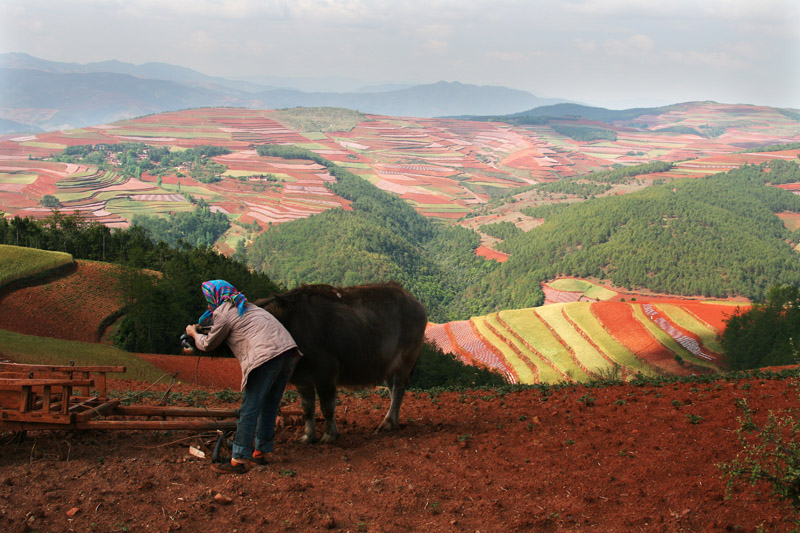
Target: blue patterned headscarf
(217, 292)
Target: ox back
(361, 335)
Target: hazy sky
(613, 53)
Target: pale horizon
(609, 53)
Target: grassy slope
(44, 350)
(17, 262)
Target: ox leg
(327, 403)
(397, 386)
(308, 402)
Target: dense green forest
(717, 236)
(199, 227)
(580, 132)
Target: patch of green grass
(17, 262)
(32, 350)
(53, 146)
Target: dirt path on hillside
(623, 458)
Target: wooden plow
(48, 397)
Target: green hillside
(717, 236)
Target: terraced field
(580, 341)
(445, 168)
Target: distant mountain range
(36, 94)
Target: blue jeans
(262, 398)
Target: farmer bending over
(267, 354)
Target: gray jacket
(254, 338)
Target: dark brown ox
(350, 336)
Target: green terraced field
(707, 335)
(584, 351)
(578, 285)
(528, 326)
(52, 146)
(91, 180)
(17, 178)
(351, 164)
(128, 208)
(523, 371)
(176, 134)
(311, 146)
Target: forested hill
(717, 236)
(381, 238)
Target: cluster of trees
(500, 230)
(580, 132)
(767, 334)
(199, 227)
(135, 158)
(596, 183)
(625, 174)
(48, 200)
(583, 188)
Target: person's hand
(191, 330)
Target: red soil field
(637, 458)
(715, 315)
(790, 220)
(215, 372)
(488, 253)
(70, 307)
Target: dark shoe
(259, 458)
(229, 468)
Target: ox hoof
(328, 438)
(387, 425)
(307, 439)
